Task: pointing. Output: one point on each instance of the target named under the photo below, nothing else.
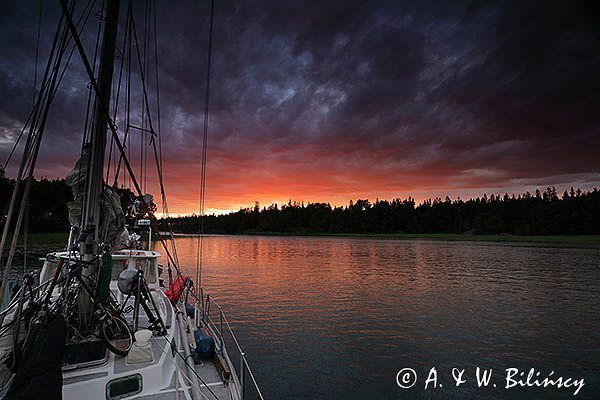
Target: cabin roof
(120, 254)
(130, 253)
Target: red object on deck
(176, 289)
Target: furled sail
(112, 218)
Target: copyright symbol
(406, 378)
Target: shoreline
(580, 240)
(588, 241)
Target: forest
(47, 210)
(540, 213)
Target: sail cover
(112, 218)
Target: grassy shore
(59, 238)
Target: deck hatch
(124, 387)
(84, 354)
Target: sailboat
(102, 320)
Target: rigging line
(204, 147)
(146, 116)
(25, 232)
(49, 71)
(146, 41)
(142, 66)
(127, 110)
(160, 158)
(89, 101)
(142, 110)
(142, 75)
(27, 127)
(117, 97)
(178, 369)
(157, 84)
(47, 96)
(63, 47)
(43, 88)
(37, 50)
(192, 369)
(14, 147)
(134, 37)
(127, 136)
(128, 105)
(26, 151)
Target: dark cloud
(359, 98)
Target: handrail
(217, 327)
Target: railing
(210, 315)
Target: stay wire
(159, 165)
(117, 97)
(127, 111)
(35, 71)
(43, 87)
(51, 68)
(146, 45)
(134, 37)
(37, 50)
(193, 370)
(199, 253)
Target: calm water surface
(337, 318)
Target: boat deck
(164, 376)
(212, 388)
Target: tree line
(540, 213)
(47, 206)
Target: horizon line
(218, 212)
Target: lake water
(337, 318)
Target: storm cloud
(336, 100)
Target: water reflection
(335, 318)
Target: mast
(91, 214)
(90, 236)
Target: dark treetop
(541, 213)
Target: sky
(337, 100)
